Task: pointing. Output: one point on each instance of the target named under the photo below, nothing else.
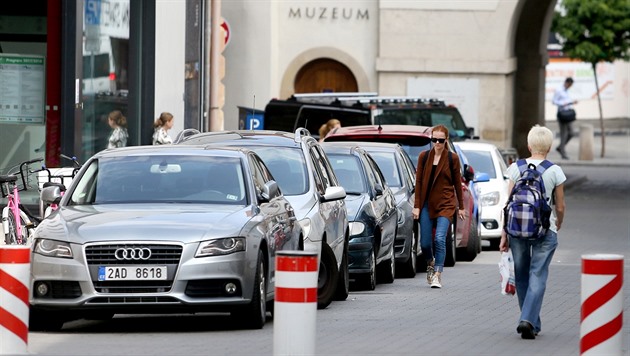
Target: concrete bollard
(586, 143)
(15, 270)
(601, 321)
(295, 305)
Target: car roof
(381, 130)
(470, 145)
(196, 150)
(342, 147)
(249, 137)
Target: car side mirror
(270, 190)
(333, 193)
(469, 173)
(481, 177)
(51, 195)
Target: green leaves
(594, 30)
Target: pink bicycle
(16, 223)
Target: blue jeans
(426, 238)
(531, 268)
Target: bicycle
(60, 178)
(17, 225)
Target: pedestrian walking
(118, 122)
(435, 201)
(533, 256)
(566, 115)
(161, 126)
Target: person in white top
(161, 126)
(562, 99)
(532, 257)
(118, 122)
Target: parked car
(372, 214)
(311, 110)
(161, 229)
(486, 158)
(415, 139)
(309, 183)
(400, 176)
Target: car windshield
(386, 162)
(287, 166)
(448, 117)
(481, 161)
(349, 173)
(162, 179)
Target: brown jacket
(442, 199)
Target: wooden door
(325, 75)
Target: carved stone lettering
(329, 13)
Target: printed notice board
(22, 89)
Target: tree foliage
(594, 30)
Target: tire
(387, 269)
(11, 237)
(343, 281)
(469, 252)
(451, 251)
(409, 267)
(367, 281)
(327, 278)
(254, 315)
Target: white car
(486, 158)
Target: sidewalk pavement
(617, 154)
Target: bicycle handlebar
(22, 175)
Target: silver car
(162, 229)
(308, 181)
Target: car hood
(80, 224)
(354, 203)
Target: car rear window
(162, 179)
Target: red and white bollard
(14, 292)
(295, 305)
(601, 321)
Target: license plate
(131, 273)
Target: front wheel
(327, 277)
(343, 281)
(255, 314)
(9, 227)
(451, 250)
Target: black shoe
(526, 330)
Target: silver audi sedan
(162, 229)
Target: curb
(574, 181)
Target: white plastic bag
(506, 270)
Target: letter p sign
(254, 122)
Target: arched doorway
(530, 49)
(325, 75)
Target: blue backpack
(527, 213)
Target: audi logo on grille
(133, 253)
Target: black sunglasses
(440, 140)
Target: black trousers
(566, 133)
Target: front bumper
(192, 284)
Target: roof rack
(333, 95)
(299, 133)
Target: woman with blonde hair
(118, 122)
(327, 127)
(161, 127)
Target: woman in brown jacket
(436, 203)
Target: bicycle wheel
(10, 237)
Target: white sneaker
(430, 274)
(436, 281)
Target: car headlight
(306, 226)
(52, 248)
(219, 247)
(489, 199)
(356, 228)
